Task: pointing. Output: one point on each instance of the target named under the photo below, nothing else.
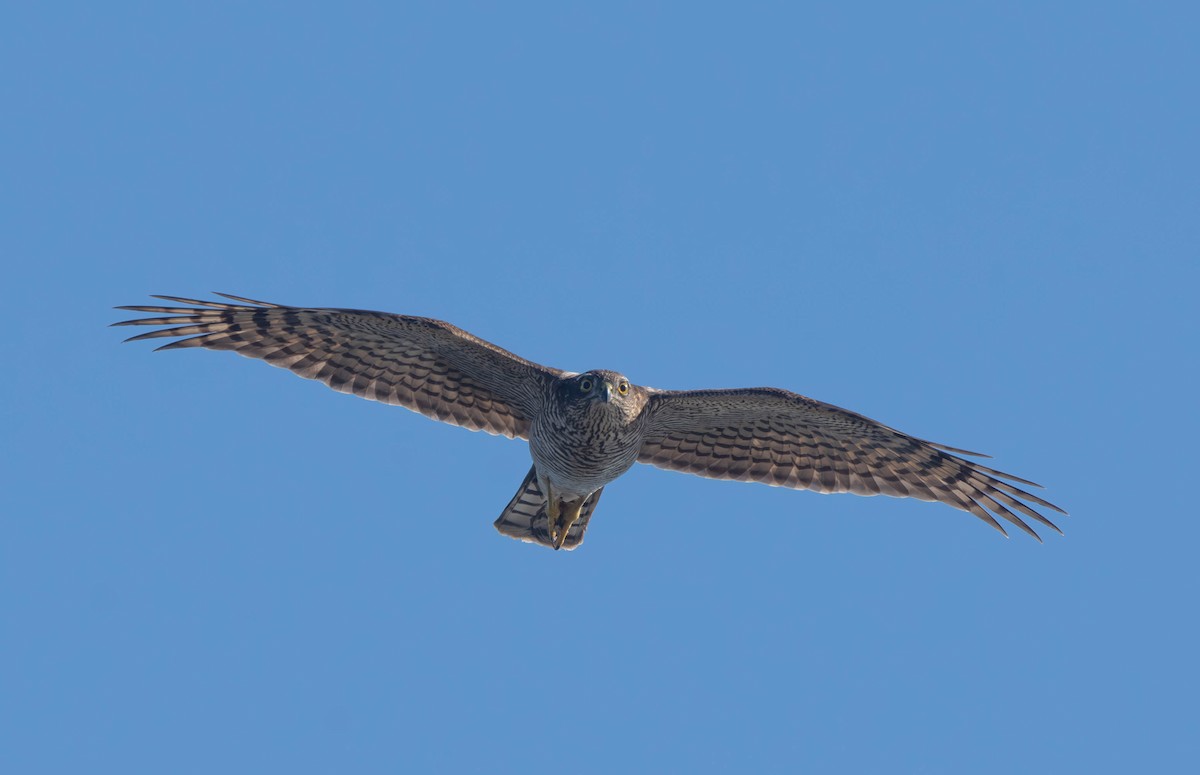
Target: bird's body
(589, 434)
(585, 430)
(584, 441)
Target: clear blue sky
(979, 223)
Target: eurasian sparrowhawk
(585, 430)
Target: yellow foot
(570, 515)
(552, 511)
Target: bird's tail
(525, 518)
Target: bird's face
(604, 391)
(601, 386)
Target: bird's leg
(570, 516)
(552, 510)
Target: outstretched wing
(425, 365)
(788, 440)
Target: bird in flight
(586, 429)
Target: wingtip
(1053, 526)
(955, 450)
(244, 300)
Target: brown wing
(425, 365)
(788, 440)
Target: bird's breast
(579, 455)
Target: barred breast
(581, 451)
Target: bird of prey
(586, 429)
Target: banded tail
(525, 519)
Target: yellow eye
(623, 388)
(585, 385)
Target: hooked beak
(606, 391)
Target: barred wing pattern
(422, 364)
(787, 440)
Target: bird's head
(605, 390)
